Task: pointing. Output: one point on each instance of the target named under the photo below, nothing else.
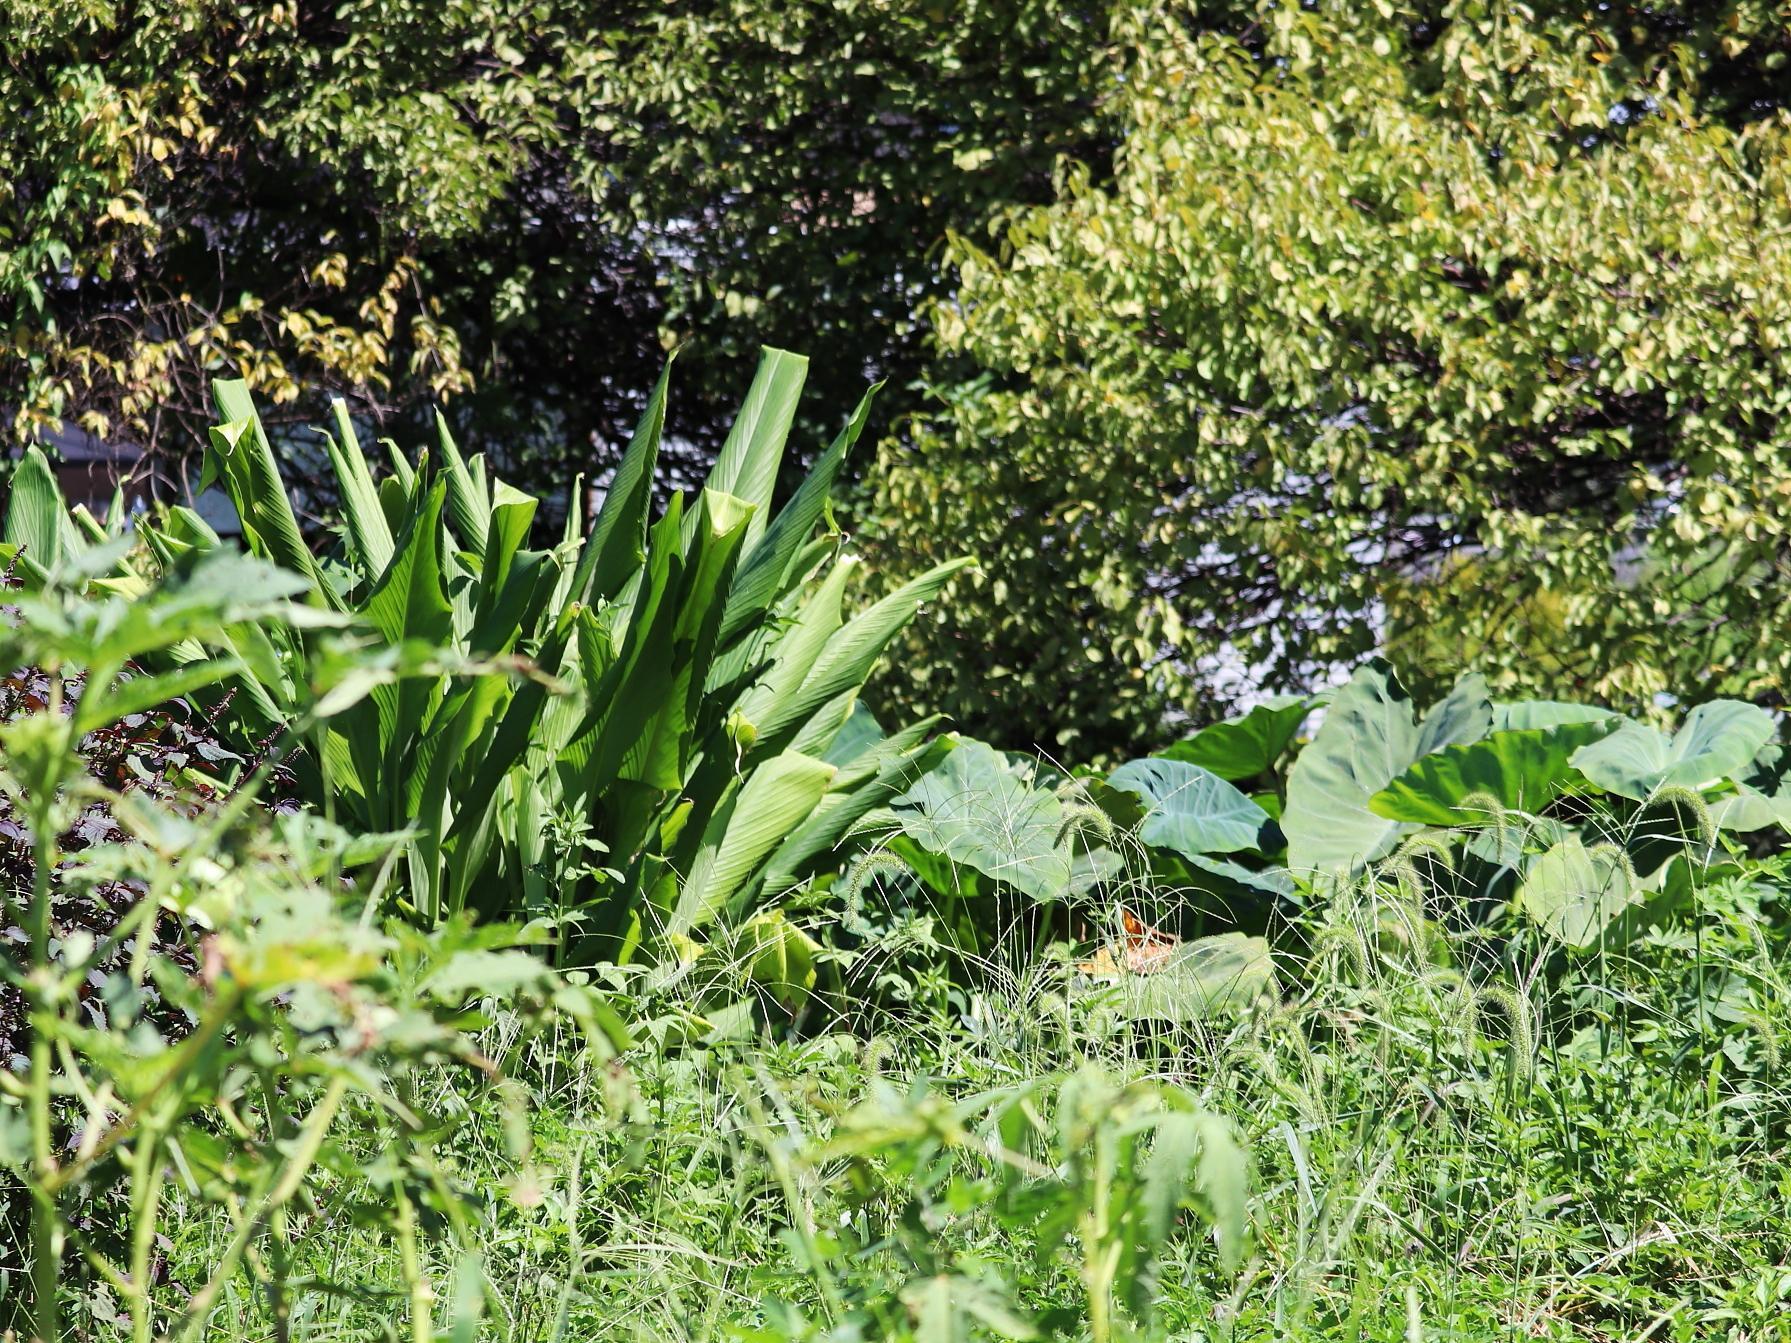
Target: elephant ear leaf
(1545, 713)
(1242, 748)
(976, 809)
(1179, 981)
(1574, 893)
(1368, 738)
(1521, 770)
(1716, 741)
(1189, 809)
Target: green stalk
(421, 1298)
(146, 1190)
(46, 1213)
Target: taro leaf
(1518, 769)
(976, 809)
(1750, 809)
(1190, 809)
(1717, 740)
(1762, 795)
(1241, 748)
(1270, 881)
(1542, 713)
(1574, 892)
(1368, 738)
(1507, 845)
(1202, 979)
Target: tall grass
(1453, 1134)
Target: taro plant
(1008, 854)
(678, 740)
(281, 998)
(1575, 816)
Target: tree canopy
(506, 205)
(1464, 329)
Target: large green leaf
(1189, 809)
(779, 957)
(749, 460)
(1519, 769)
(770, 804)
(771, 564)
(1241, 748)
(36, 516)
(241, 458)
(977, 810)
(469, 507)
(1368, 738)
(1574, 893)
(614, 549)
(1717, 740)
(369, 533)
(1543, 713)
(662, 754)
(870, 780)
(848, 656)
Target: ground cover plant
(1340, 1018)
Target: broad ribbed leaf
(1189, 809)
(768, 568)
(748, 464)
(976, 810)
(1368, 738)
(872, 779)
(1241, 748)
(369, 535)
(614, 549)
(469, 508)
(765, 705)
(408, 607)
(1543, 713)
(772, 802)
(1202, 979)
(36, 516)
(241, 457)
(1575, 893)
(1717, 740)
(145, 691)
(1516, 770)
(853, 650)
(662, 754)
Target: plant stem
(46, 1214)
(421, 1298)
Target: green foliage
(1370, 737)
(514, 205)
(304, 1010)
(1189, 809)
(667, 695)
(1518, 769)
(1442, 320)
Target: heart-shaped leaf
(1716, 740)
(1574, 893)
(1189, 809)
(1520, 769)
